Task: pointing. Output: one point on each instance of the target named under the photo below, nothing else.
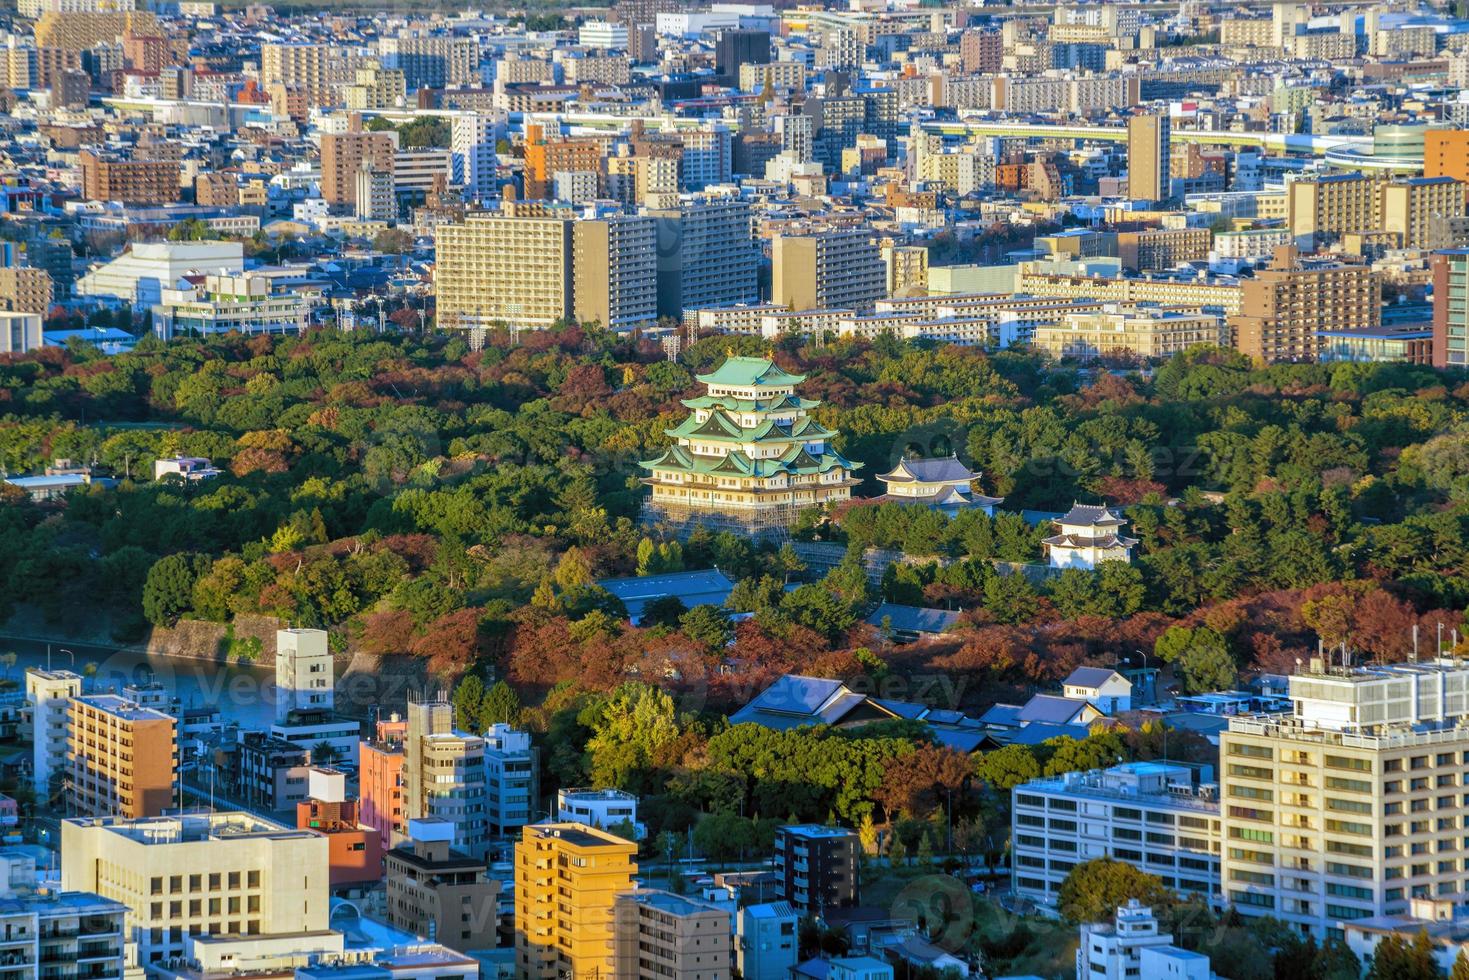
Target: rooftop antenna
(1413, 656)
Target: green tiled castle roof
(745, 372)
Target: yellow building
(84, 30)
(1163, 291)
(1145, 333)
(750, 452)
(1325, 207)
(512, 268)
(567, 879)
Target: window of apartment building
(1359, 765)
(1345, 785)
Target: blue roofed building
(706, 587)
(909, 623)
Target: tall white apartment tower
(1354, 803)
(472, 144)
(303, 673)
(49, 694)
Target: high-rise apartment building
(25, 290)
(735, 48)
(315, 68)
(512, 782)
(615, 271)
(567, 879)
(1450, 270)
(658, 934)
(706, 255)
(48, 698)
(303, 672)
(343, 155)
(109, 177)
(544, 158)
(375, 199)
(1412, 206)
(513, 268)
(817, 866)
(1286, 304)
(122, 758)
(1148, 143)
(215, 873)
(431, 60)
(827, 270)
(472, 142)
(380, 783)
(444, 775)
(1147, 332)
(1353, 804)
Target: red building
(380, 780)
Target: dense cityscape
(879, 490)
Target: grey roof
(913, 619)
(1090, 676)
(944, 469)
(1090, 514)
(1051, 708)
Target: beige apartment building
(122, 758)
(615, 271)
(1323, 209)
(1165, 292)
(567, 879)
(444, 775)
(512, 268)
(1148, 141)
(1289, 302)
(1145, 332)
(827, 270)
(658, 934)
(1158, 249)
(214, 874)
(1354, 803)
(25, 290)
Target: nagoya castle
(750, 457)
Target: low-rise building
(1152, 815)
(436, 891)
(658, 934)
(605, 809)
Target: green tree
(707, 625)
(468, 700)
(1007, 767)
(168, 592)
(1461, 966)
(501, 705)
(1207, 668)
(635, 722)
(1396, 958)
(666, 610)
(1094, 890)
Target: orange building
(354, 850)
(380, 785)
(544, 159)
(1446, 153)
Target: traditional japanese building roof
(945, 469)
(1087, 541)
(777, 403)
(737, 463)
(719, 427)
(1092, 515)
(749, 372)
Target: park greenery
(455, 507)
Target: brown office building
(121, 758)
(342, 156)
(1287, 303)
(658, 934)
(1148, 157)
(25, 290)
(110, 178)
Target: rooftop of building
(577, 835)
(192, 827)
(589, 795)
(815, 830)
(673, 904)
(1159, 783)
(121, 707)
